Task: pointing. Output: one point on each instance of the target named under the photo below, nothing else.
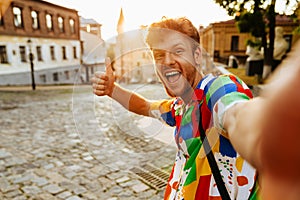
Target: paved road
(65, 143)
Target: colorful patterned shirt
(191, 176)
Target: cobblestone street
(68, 144)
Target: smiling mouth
(172, 76)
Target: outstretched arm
(266, 129)
(104, 84)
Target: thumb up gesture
(103, 82)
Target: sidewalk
(40, 87)
(65, 144)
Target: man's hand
(103, 82)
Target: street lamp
(29, 42)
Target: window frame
(52, 52)
(18, 17)
(3, 55)
(64, 52)
(61, 25)
(234, 45)
(35, 20)
(23, 54)
(72, 26)
(49, 24)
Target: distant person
(254, 63)
(280, 47)
(233, 62)
(197, 106)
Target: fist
(103, 82)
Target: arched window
(18, 22)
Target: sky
(144, 12)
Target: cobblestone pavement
(68, 144)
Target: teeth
(171, 74)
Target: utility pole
(31, 57)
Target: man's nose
(169, 58)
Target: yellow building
(223, 39)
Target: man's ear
(198, 55)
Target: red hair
(182, 25)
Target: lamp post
(29, 42)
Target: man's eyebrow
(178, 44)
(174, 46)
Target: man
(280, 47)
(177, 55)
(219, 110)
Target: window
(74, 53)
(67, 75)
(17, 17)
(72, 25)
(35, 19)
(49, 22)
(64, 53)
(3, 54)
(61, 24)
(23, 53)
(234, 43)
(55, 76)
(39, 53)
(43, 78)
(52, 53)
(216, 54)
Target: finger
(109, 70)
(99, 92)
(99, 74)
(99, 86)
(99, 80)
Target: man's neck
(188, 95)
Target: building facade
(50, 32)
(223, 39)
(90, 26)
(133, 61)
(93, 48)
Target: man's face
(175, 63)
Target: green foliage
(257, 17)
(256, 44)
(251, 23)
(297, 30)
(251, 15)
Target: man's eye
(178, 51)
(158, 56)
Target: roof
(88, 21)
(52, 4)
(281, 19)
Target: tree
(257, 17)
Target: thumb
(109, 70)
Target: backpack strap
(212, 162)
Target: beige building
(133, 62)
(223, 39)
(93, 48)
(50, 32)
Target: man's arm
(131, 101)
(271, 119)
(266, 129)
(104, 84)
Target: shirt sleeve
(164, 111)
(224, 92)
